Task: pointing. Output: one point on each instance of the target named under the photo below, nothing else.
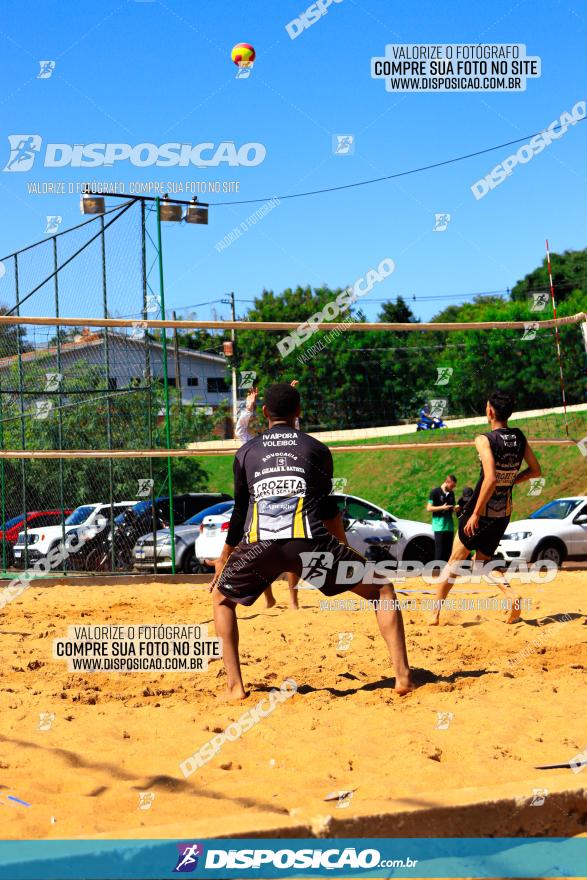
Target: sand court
(99, 753)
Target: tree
(454, 314)
(10, 334)
(84, 415)
(527, 367)
(348, 378)
(63, 336)
(398, 312)
(327, 364)
(569, 273)
(354, 379)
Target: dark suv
(143, 519)
(34, 519)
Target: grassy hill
(400, 480)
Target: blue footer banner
(454, 857)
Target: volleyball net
(104, 400)
(104, 382)
(91, 413)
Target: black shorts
(251, 568)
(489, 533)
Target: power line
(177, 308)
(420, 298)
(506, 291)
(413, 298)
(329, 189)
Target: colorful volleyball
(243, 54)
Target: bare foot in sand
(404, 685)
(270, 601)
(514, 614)
(434, 620)
(293, 604)
(235, 693)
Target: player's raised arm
(241, 429)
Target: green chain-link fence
(97, 388)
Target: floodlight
(170, 212)
(196, 213)
(92, 204)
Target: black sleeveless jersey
(508, 446)
(282, 486)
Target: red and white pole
(557, 337)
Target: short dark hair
(502, 404)
(281, 400)
(452, 477)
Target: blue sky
(133, 72)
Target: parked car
(40, 541)
(144, 518)
(556, 531)
(144, 553)
(363, 519)
(363, 522)
(212, 536)
(188, 504)
(34, 518)
(184, 507)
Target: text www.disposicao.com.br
(134, 664)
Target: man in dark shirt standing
(441, 504)
(285, 519)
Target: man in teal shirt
(441, 505)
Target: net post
(148, 380)
(557, 339)
(166, 386)
(108, 408)
(234, 365)
(59, 413)
(22, 414)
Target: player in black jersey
(487, 513)
(243, 433)
(285, 519)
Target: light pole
(166, 388)
(230, 302)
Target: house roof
(87, 339)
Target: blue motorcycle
(426, 422)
